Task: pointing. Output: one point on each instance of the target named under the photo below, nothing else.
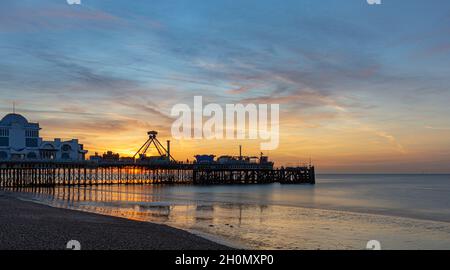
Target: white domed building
(19, 140)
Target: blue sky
(361, 87)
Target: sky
(362, 88)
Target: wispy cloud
(339, 70)
(51, 16)
(438, 128)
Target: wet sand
(31, 226)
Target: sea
(340, 212)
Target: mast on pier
(152, 140)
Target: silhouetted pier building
(110, 168)
(20, 141)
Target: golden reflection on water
(256, 226)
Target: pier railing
(50, 174)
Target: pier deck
(49, 174)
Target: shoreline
(393, 213)
(26, 225)
(211, 237)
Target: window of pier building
(46, 154)
(4, 132)
(31, 142)
(4, 141)
(31, 133)
(66, 148)
(4, 137)
(47, 151)
(31, 155)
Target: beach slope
(31, 226)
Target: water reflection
(249, 216)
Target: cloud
(436, 50)
(241, 89)
(110, 67)
(391, 139)
(438, 128)
(145, 108)
(51, 16)
(302, 98)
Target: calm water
(339, 212)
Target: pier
(34, 162)
(52, 174)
